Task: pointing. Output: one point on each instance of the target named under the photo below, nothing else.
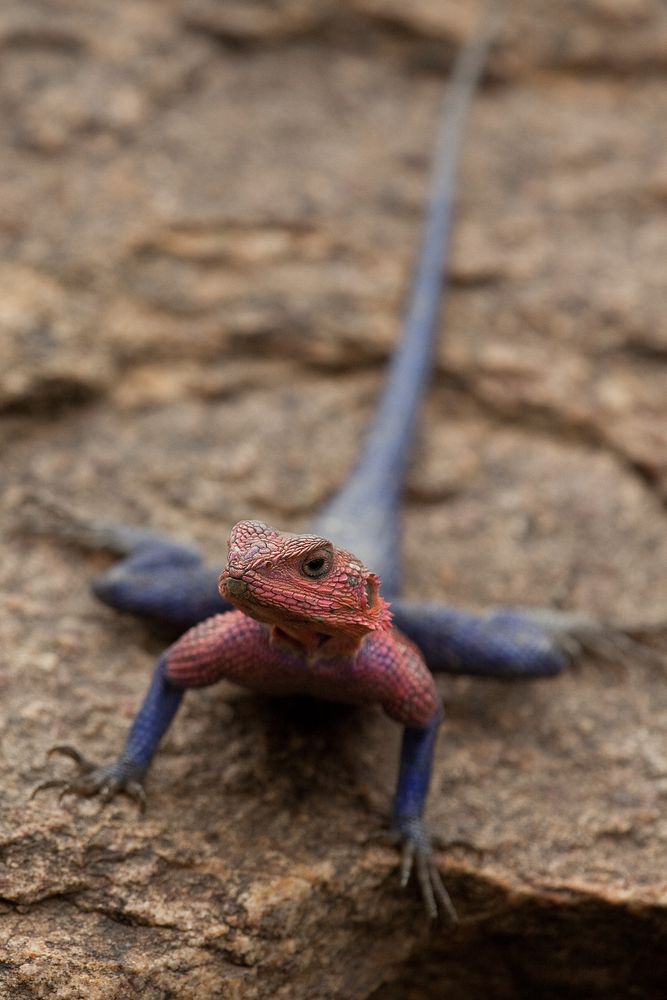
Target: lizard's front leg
(399, 679)
(127, 773)
(408, 816)
(199, 658)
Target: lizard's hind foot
(576, 634)
(156, 578)
(107, 781)
(42, 514)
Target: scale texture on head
(301, 580)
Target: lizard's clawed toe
(417, 856)
(44, 785)
(85, 766)
(417, 846)
(107, 781)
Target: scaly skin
(319, 627)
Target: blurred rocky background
(209, 211)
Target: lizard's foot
(576, 634)
(43, 514)
(417, 854)
(107, 781)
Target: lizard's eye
(317, 564)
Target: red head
(302, 584)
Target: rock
(208, 217)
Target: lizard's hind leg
(501, 643)
(156, 577)
(162, 580)
(518, 643)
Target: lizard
(300, 613)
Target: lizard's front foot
(417, 854)
(107, 781)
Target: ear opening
(372, 591)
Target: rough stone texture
(208, 215)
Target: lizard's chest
(274, 668)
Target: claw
(107, 792)
(442, 894)
(106, 781)
(417, 855)
(42, 514)
(426, 888)
(388, 838)
(66, 750)
(136, 791)
(54, 783)
(407, 860)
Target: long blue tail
(364, 516)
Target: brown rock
(208, 217)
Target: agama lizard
(310, 618)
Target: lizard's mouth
(237, 591)
(245, 598)
(240, 593)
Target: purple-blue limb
(501, 644)
(158, 579)
(127, 773)
(414, 777)
(153, 719)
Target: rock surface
(208, 215)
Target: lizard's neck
(310, 643)
(344, 641)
